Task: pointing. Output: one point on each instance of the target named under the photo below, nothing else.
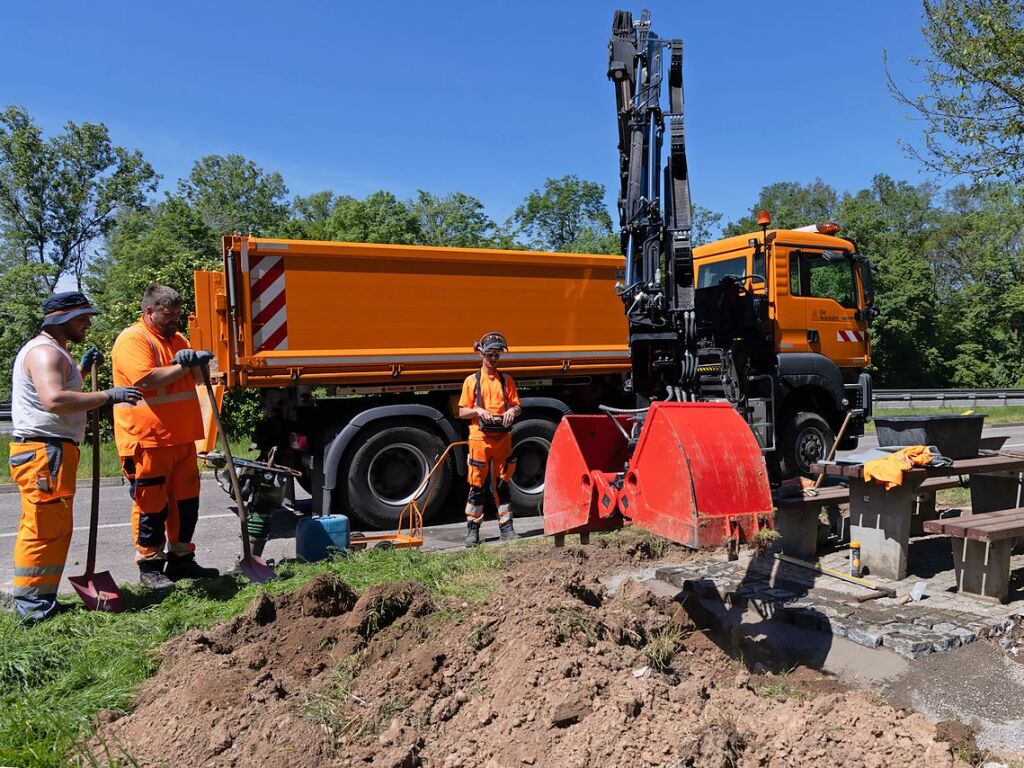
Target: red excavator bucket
(697, 476)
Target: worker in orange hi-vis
(48, 409)
(489, 399)
(156, 439)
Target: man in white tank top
(48, 408)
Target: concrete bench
(924, 501)
(796, 519)
(981, 549)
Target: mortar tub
(956, 437)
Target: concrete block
(799, 531)
(869, 635)
(909, 645)
(983, 569)
(880, 521)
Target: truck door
(824, 284)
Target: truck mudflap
(696, 477)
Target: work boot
(472, 534)
(186, 567)
(508, 533)
(151, 574)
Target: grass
(1010, 414)
(779, 687)
(663, 647)
(56, 676)
(110, 463)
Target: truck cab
(819, 295)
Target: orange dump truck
(360, 351)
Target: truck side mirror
(867, 281)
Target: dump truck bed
(325, 313)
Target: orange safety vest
(495, 393)
(164, 417)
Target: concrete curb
(105, 482)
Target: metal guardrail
(936, 398)
(5, 411)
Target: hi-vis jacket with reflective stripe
(164, 417)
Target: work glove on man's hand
(186, 358)
(203, 357)
(91, 357)
(130, 395)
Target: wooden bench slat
(939, 483)
(997, 530)
(978, 527)
(830, 495)
(943, 525)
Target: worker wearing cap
(48, 408)
(156, 439)
(489, 399)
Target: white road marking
(118, 525)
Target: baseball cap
(61, 307)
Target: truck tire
(807, 438)
(387, 467)
(531, 442)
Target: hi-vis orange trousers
(45, 471)
(164, 486)
(491, 460)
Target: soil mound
(551, 670)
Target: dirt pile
(550, 671)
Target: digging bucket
(697, 477)
(586, 453)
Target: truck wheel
(807, 438)
(385, 470)
(531, 443)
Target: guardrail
(5, 411)
(937, 398)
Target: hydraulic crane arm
(655, 212)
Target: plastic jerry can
(317, 538)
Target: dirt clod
(542, 673)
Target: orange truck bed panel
(356, 314)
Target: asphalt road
(217, 535)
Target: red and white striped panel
(269, 308)
(860, 336)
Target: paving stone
(945, 642)
(834, 611)
(926, 621)
(869, 635)
(908, 629)
(966, 636)
(837, 626)
(906, 644)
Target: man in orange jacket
(491, 403)
(156, 439)
(48, 409)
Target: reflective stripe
(152, 344)
(31, 591)
(38, 570)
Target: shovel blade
(256, 570)
(99, 592)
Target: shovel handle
(94, 512)
(235, 485)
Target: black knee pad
(151, 529)
(188, 516)
(476, 496)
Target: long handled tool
(252, 567)
(98, 591)
(879, 591)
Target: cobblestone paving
(780, 591)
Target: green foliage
(379, 218)
(58, 195)
(455, 220)
(232, 193)
(56, 676)
(706, 224)
(972, 104)
(791, 204)
(20, 298)
(310, 217)
(566, 210)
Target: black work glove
(203, 357)
(130, 395)
(92, 356)
(186, 358)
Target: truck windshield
(712, 274)
(823, 275)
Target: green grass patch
(1010, 414)
(56, 676)
(110, 463)
(779, 687)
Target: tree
(791, 204)
(234, 194)
(705, 222)
(565, 210)
(380, 218)
(894, 224)
(973, 99)
(58, 195)
(455, 220)
(310, 218)
(21, 295)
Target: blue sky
(483, 98)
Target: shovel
(98, 591)
(252, 567)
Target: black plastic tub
(956, 437)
